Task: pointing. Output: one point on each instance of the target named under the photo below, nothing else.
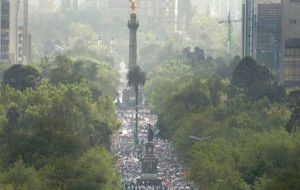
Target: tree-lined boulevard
(129, 166)
(183, 112)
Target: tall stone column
(133, 26)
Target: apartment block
(14, 31)
(262, 31)
(268, 33)
(291, 43)
(4, 47)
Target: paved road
(128, 164)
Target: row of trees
(55, 126)
(232, 124)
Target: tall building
(153, 13)
(5, 12)
(183, 14)
(23, 42)
(271, 35)
(14, 31)
(267, 37)
(248, 21)
(0, 24)
(69, 4)
(219, 8)
(291, 43)
(262, 31)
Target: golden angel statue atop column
(133, 6)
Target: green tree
(21, 77)
(294, 105)
(165, 81)
(136, 78)
(56, 127)
(226, 69)
(20, 177)
(100, 76)
(255, 81)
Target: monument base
(144, 181)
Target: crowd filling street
(129, 166)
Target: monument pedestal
(149, 181)
(149, 162)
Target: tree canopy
(242, 115)
(136, 77)
(55, 127)
(21, 77)
(255, 81)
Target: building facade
(5, 11)
(69, 4)
(15, 46)
(153, 13)
(291, 43)
(262, 31)
(219, 8)
(271, 35)
(248, 21)
(23, 41)
(267, 39)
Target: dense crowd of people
(129, 166)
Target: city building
(248, 21)
(0, 24)
(13, 31)
(155, 14)
(267, 37)
(69, 4)
(158, 14)
(271, 34)
(23, 41)
(262, 31)
(219, 8)
(291, 43)
(4, 48)
(15, 44)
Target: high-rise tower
(4, 49)
(291, 44)
(133, 26)
(248, 27)
(14, 31)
